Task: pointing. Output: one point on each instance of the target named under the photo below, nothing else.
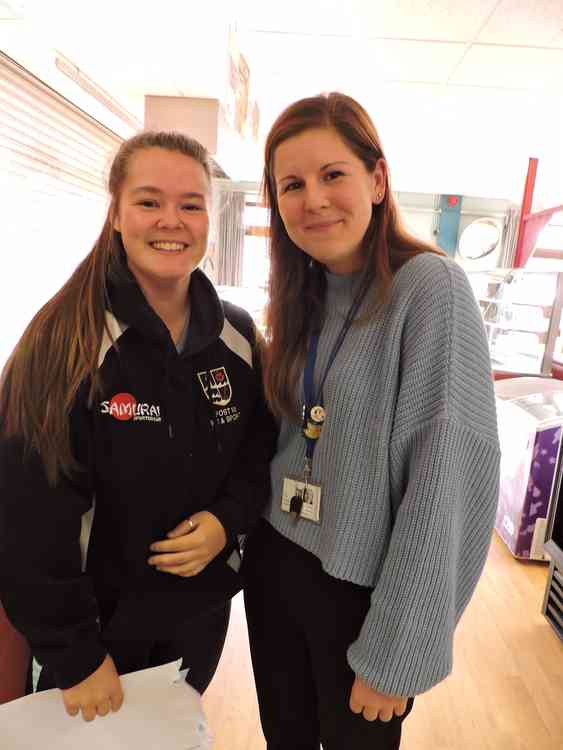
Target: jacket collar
(128, 303)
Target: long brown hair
(297, 284)
(59, 349)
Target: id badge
(311, 508)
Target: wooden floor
(505, 692)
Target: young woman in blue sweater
(384, 485)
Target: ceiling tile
(511, 68)
(527, 22)
(331, 62)
(309, 58)
(430, 62)
(445, 20)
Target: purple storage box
(530, 418)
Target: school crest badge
(216, 386)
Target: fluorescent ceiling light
(11, 10)
(90, 87)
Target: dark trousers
(199, 646)
(301, 622)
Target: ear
(114, 218)
(379, 184)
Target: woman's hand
(97, 695)
(373, 705)
(191, 546)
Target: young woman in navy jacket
(134, 444)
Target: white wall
(463, 140)
(45, 236)
(472, 141)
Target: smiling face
(325, 197)
(163, 217)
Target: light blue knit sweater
(408, 461)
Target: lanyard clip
(296, 503)
(307, 470)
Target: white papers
(160, 711)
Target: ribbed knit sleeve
(443, 475)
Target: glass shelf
(521, 311)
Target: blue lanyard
(312, 400)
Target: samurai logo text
(125, 407)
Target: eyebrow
(157, 191)
(325, 166)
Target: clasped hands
(190, 547)
(186, 551)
